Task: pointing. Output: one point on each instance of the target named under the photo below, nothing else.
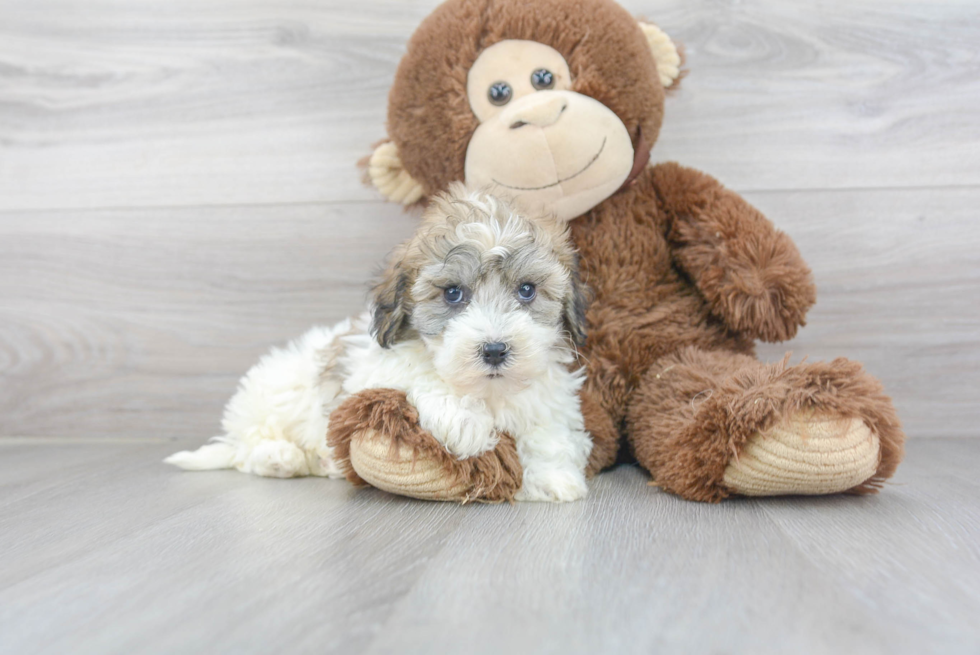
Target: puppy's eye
(499, 93)
(526, 292)
(542, 79)
(453, 295)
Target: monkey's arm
(751, 273)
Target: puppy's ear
(392, 306)
(576, 302)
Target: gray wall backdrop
(178, 188)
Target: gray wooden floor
(178, 192)
(105, 550)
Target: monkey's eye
(526, 292)
(542, 79)
(453, 295)
(499, 93)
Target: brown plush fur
(429, 116)
(699, 408)
(605, 436)
(686, 274)
(651, 256)
(679, 264)
(494, 476)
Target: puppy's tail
(216, 455)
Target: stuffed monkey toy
(557, 103)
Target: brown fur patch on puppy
(493, 477)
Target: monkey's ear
(391, 305)
(387, 174)
(665, 53)
(575, 304)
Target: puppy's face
(493, 295)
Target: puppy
(476, 320)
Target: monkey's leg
(377, 440)
(708, 425)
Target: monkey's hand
(750, 273)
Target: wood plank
(788, 95)
(132, 104)
(153, 550)
(138, 323)
(106, 550)
(186, 103)
(875, 555)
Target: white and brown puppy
(476, 320)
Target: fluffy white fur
(276, 423)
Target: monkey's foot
(377, 441)
(805, 454)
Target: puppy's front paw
(462, 425)
(276, 459)
(555, 486)
(474, 435)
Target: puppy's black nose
(494, 354)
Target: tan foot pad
(399, 473)
(807, 455)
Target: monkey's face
(552, 103)
(538, 140)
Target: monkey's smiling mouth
(556, 183)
